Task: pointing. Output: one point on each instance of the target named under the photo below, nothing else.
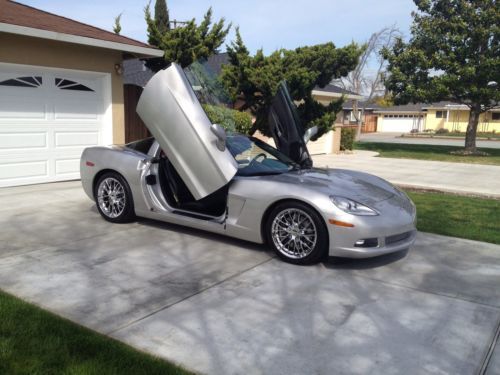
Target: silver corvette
(193, 173)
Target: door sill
(198, 216)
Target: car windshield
(256, 158)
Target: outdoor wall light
(119, 69)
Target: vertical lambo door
(169, 108)
(286, 129)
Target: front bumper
(394, 229)
(381, 249)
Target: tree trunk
(470, 135)
(359, 123)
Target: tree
(117, 27)
(453, 54)
(255, 79)
(186, 43)
(162, 19)
(367, 78)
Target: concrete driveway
(222, 306)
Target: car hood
(361, 187)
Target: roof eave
(382, 112)
(76, 39)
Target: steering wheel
(261, 155)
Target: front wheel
(114, 199)
(297, 233)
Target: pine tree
(189, 42)
(162, 19)
(255, 79)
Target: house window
(35, 81)
(439, 114)
(353, 118)
(66, 84)
(495, 116)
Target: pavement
(390, 137)
(463, 178)
(217, 305)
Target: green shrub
(347, 137)
(229, 119)
(442, 131)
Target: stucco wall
(16, 49)
(458, 120)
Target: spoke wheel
(113, 198)
(297, 233)
(294, 233)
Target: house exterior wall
(17, 49)
(458, 120)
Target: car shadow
(200, 233)
(330, 262)
(368, 263)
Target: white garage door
(47, 118)
(400, 123)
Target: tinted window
(142, 146)
(255, 157)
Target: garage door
(47, 118)
(400, 123)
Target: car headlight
(352, 207)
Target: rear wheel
(114, 199)
(297, 233)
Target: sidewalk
(450, 177)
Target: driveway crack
(491, 349)
(187, 297)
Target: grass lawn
(488, 135)
(34, 341)
(458, 216)
(428, 152)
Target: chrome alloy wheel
(111, 197)
(294, 233)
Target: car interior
(178, 196)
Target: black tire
(298, 238)
(109, 202)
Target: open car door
(286, 129)
(169, 108)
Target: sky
(267, 24)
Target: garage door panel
(77, 110)
(83, 139)
(67, 166)
(22, 108)
(13, 141)
(47, 118)
(23, 170)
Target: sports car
(194, 173)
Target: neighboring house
(443, 115)
(401, 118)
(455, 117)
(366, 111)
(61, 90)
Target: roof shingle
(23, 15)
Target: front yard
(458, 216)
(428, 152)
(34, 341)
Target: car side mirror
(311, 132)
(220, 133)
